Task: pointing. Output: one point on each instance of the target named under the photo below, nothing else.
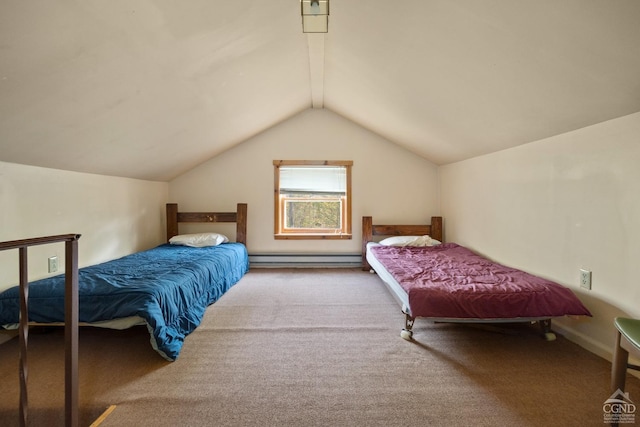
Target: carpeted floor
(316, 348)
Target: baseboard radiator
(278, 260)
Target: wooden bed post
(241, 224)
(436, 228)
(172, 220)
(367, 236)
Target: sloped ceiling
(150, 88)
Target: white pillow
(409, 241)
(199, 240)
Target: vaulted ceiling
(150, 88)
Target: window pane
(313, 214)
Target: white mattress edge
(394, 287)
(120, 323)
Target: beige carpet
(317, 348)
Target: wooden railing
(70, 327)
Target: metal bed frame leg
(407, 332)
(545, 327)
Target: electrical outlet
(53, 264)
(585, 279)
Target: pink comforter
(450, 281)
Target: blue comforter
(168, 286)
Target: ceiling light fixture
(315, 16)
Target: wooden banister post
(71, 321)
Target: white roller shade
(313, 179)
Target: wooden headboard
(369, 230)
(239, 217)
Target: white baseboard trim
(595, 347)
(279, 260)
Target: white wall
(555, 206)
(389, 183)
(116, 216)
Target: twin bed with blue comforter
(168, 287)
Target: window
(312, 199)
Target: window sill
(301, 236)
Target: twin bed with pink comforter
(448, 282)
